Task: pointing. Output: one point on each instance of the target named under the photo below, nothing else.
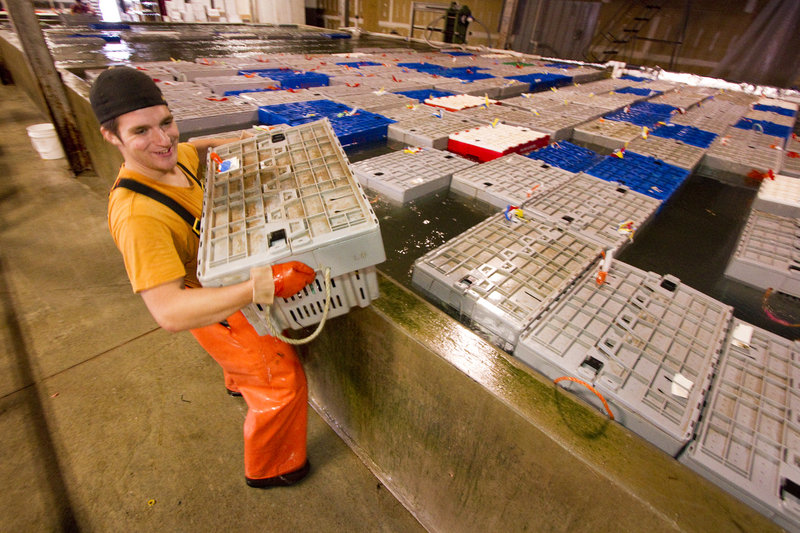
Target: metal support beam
(506, 23)
(30, 35)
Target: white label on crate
(229, 164)
(742, 334)
(681, 385)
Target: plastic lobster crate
(431, 129)
(786, 111)
(498, 275)
(643, 114)
(643, 174)
(732, 159)
(568, 156)
(670, 151)
(766, 254)
(542, 81)
(291, 79)
(233, 84)
(604, 212)
(790, 164)
(771, 117)
(779, 196)
(647, 343)
(508, 181)
(748, 439)
(765, 127)
(409, 174)
(715, 116)
(189, 70)
(375, 101)
(265, 98)
(606, 134)
(556, 120)
(485, 143)
(420, 95)
(285, 196)
(457, 102)
(685, 134)
(491, 87)
(198, 113)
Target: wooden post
(506, 22)
(30, 35)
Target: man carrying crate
(153, 212)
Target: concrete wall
(471, 440)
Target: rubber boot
(271, 379)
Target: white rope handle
(316, 333)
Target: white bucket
(45, 140)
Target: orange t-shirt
(157, 245)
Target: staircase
(618, 36)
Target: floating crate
(643, 174)
(644, 92)
(779, 196)
(457, 102)
(189, 71)
(195, 114)
(235, 84)
(787, 109)
(790, 164)
(685, 134)
(285, 96)
(748, 439)
(715, 116)
(568, 156)
(508, 180)
(542, 81)
(285, 196)
(767, 128)
(409, 174)
(375, 101)
(430, 129)
(606, 134)
(291, 79)
(766, 254)
(421, 95)
(730, 159)
(643, 114)
(606, 213)
(669, 151)
(647, 343)
(498, 275)
(557, 120)
(493, 87)
(780, 119)
(485, 143)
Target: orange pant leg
(271, 379)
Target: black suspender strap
(181, 211)
(190, 174)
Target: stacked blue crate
(768, 128)
(352, 126)
(424, 94)
(560, 65)
(639, 91)
(359, 64)
(774, 109)
(685, 134)
(461, 73)
(647, 175)
(291, 79)
(567, 156)
(457, 53)
(542, 80)
(643, 114)
(637, 79)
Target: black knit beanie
(120, 90)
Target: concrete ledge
(471, 440)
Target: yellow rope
(314, 335)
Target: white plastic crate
(348, 291)
(485, 143)
(605, 212)
(287, 196)
(748, 440)
(431, 129)
(223, 84)
(458, 102)
(790, 165)
(712, 115)
(648, 344)
(730, 158)
(767, 254)
(778, 103)
(669, 151)
(195, 114)
(556, 120)
(779, 196)
(607, 134)
(499, 274)
(509, 180)
(409, 174)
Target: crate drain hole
(669, 285)
(276, 236)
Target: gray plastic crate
(748, 440)
(647, 343)
(767, 254)
(668, 150)
(779, 196)
(790, 165)
(712, 115)
(607, 213)
(606, 134)
(198, 113)
(684, 98)
(501, 273)
(409, 174)
(769, 116)
(557, 120)
(281, 97)
(732, 156)
(432, 128)
(222, 84)
(491, 87)
(287, 196)
(376, 101)
(508, 180)
(189, 71)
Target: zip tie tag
(412, 150)
(742, 335)
(681, 385)
(229, 164)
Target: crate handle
(317, 331)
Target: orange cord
(581, 382)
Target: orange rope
(580, 382)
